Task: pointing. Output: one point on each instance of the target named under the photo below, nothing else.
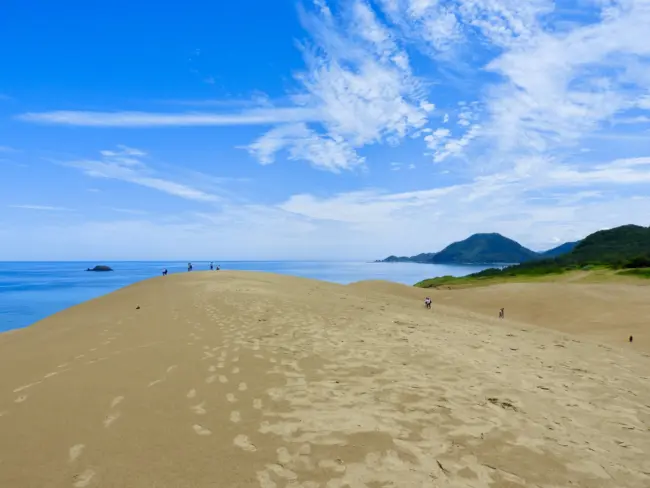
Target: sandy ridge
(252, 379)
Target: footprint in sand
(235, 359)
(244, 443)
(116, 401)
(212, 369)
(257, 404)
(172, 368)
(220, 365)
(82, 480)
(243, 386)
(191, 393)
(201, 430)
(20, 399)
(223, 379)
(75, 452)
(198, 409)
(111, 418)
(265, 480)
(235, 370)
(211, 378)
(231, 398)
(283, 472)
(235, 416)
(155, 382)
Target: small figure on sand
(502, 313)
(427, 302)
(189, 266)
(211, 266)
(218, 268)
(165, 272)
(631, 338)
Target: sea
(31, 291)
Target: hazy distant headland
(490, 248)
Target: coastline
(32, 291)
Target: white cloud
(130, 211)
(632, 171)
(46, 208)
(359, 80)
(537, 204)
(266, 116)
(126, 164)
(7, 149)
(330, 152)
(560, 88)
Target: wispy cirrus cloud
(360, 81)
(126, 164)
(45, 208)
(152, 119)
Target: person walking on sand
(427, 302)
(165, 272)
(502, 313)
(211, 266)
(189, 267)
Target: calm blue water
(30, 291)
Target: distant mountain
(476, 249)
(485, 249)
(559, 250)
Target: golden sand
(256, 380)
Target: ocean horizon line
(190, 261)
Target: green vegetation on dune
(622, 248)
(639, 273)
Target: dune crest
(319, 385)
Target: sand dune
(605, 312)
(256, 380)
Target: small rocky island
(100, 268)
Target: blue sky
(346, 129)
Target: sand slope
(256, 380)
(605, 312)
